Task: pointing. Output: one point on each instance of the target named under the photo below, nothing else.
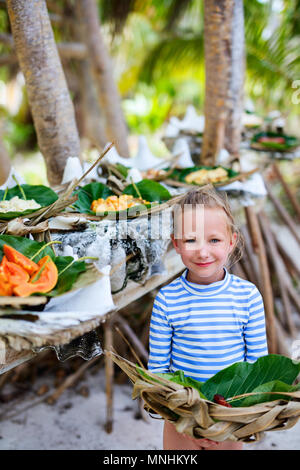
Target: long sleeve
(160, 339)
(255, 330)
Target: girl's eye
(214, 240)
(189, 241)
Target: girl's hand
(208, 444)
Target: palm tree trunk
(48, 94)
(224, 65)
(108, 96)
(93, 119)
(5, 163)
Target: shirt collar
(205, 289)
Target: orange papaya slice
(6, 288)
(16, 257)
(14, 273)
(43, 281)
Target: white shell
(185, 159)
(222, 157)
(10, 182)
(93, 174)
(134, 175)
(173, 128)
(144, 159)
(192, 121)
(73, 169)
(113, 157)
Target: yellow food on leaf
(116, 203)
(207, 176)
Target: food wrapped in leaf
(98, 199)
(116, 203)
(207, 176)
(24, 199)
(202, 175)
(274, 141)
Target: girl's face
(204, 243)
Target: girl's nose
(202, 248)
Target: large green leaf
(262, 395)
(149, 190)
(68, 269)
(88, 193)
(71, 270)
(179, 378)
(41, 194)
(26, 246)
(244, 377)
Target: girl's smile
(204, 243)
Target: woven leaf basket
(200, 418)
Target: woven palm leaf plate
(202, 418)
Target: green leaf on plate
(88, 193)
(262, 395)
(26, 246)
(41, 194)
(68, 276)
(149, 190)
(182, 174)
(244, 377)
(289, 143)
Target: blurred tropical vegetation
(157, 48)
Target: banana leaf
(122, 169)
(180, 175)
(69, 270)
(41, 194)
(245, 377)
(88, 193)
(149, 190)
(262, 395)
(264, 378)
(289, 144)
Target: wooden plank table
(11, 357)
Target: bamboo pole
(109, 376)
(283, 213)
(291, 196)
(246, 266)
(280, 271)
(259, 248)
(138, 345)
(289, 261)
(251, 256)
(70, 380)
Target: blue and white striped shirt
(201, 329)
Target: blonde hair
(209, 197)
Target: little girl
(206, 319)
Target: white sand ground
(77, 423)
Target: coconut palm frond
(174, 13)
(172, 54)
(116, 13)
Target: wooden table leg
(109, 376)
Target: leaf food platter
(72, 274)
(258, 397)
(180, 175)
(273, 141)
(149, 190)
(41, 194)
